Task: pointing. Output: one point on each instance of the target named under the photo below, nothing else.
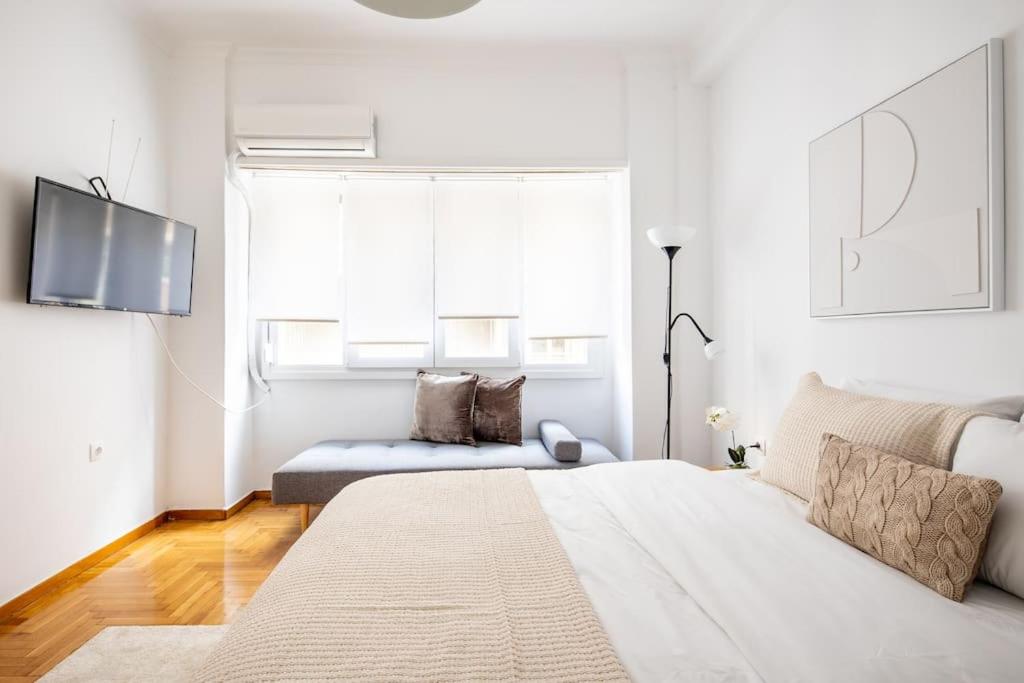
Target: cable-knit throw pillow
(928, 523)
(924, 433)
(443, 408)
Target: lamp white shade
(713, 349)
(671, 235)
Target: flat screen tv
(96, 253)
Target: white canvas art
(906, 205)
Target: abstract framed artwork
(906, 200)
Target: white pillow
(1005, 407)
(994, 448)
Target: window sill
(409, 374)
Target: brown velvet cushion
(926, 522)
(498, 415)
(443, 409)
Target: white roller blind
(296, 247)
(477, 242)
(388, 245)
(566, 244)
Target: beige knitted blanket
(446, 576)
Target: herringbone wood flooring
(181, 573)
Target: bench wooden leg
(303, 516)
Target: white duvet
(711, 576)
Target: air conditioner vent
(332, 131)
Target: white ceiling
(342, 24)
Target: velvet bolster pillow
(560, 442)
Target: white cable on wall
(250, 323)
(195, 386)
(235, 179)
(253, 370)
(250, 329)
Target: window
(387, 233)
(565, 357)
(476, 338)
(378, 271)
(477, 248)
(567, 257)
(296, 247)
(306, 344)
(567, 352)
(477, 342)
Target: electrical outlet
(95, 451)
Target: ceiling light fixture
(419, 9)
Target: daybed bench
(317, 474)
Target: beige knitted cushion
(921, 432)
(928, 523)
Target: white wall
(819, 63)
(239, 479)
(692, 371)
(650, 131)
(476, 108)
(196, 444)
(668, 142)
(74, 376)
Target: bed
(690, 574)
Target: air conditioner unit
(338, 131)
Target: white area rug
(139, 653)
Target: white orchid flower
(721, 419)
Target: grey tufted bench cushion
(318, 473)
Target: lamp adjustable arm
(666, 357)
(707, 339)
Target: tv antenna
(98, 183)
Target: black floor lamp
(670, 240)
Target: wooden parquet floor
(183, 572)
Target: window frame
(266, 332)
(595, 367)
(443, 361)
(270, 371)
(354, 358)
